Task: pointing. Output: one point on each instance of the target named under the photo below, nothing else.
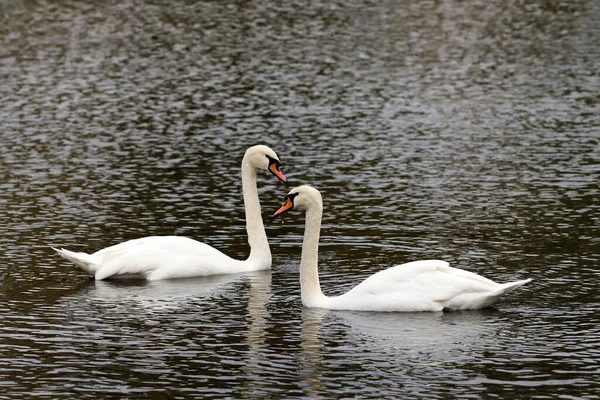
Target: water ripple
(465, 132)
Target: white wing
(428, 285)
(163, 257)
(159, 257)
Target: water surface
(464, 131)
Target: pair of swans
(430, 285)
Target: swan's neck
(257, 237)
(309, 271)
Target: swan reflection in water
(402, 342)
(176, 294)
(199, 329)
(192, 326)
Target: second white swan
(429, 285)
(166, 257)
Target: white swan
(430, 285)
(166, 257)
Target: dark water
(465, 131)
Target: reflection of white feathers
(398, 341)
(256, 333)
(415, 330)
(426, 338)
(175, 294)
(430, 285)
(166, 257)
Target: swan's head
(301, 198)
(263, 157)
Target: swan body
(167, 257)
(159, 257)
(429, 285)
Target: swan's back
(429, 285)
(159, 257)
(164, 257)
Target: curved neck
(309, 270)
(257, 237)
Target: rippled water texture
(465, 131)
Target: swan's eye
(288, 203)
(275, 168)
(272, 161)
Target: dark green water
(464, 131)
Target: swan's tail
(82, 260)
(473, 300)
(509, 287)
(502, 290)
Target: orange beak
(287, 205)
(277, 172)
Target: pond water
(463, 131)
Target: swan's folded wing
(169, 256)
(420, 285)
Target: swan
(429, 285)
(168, 257)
